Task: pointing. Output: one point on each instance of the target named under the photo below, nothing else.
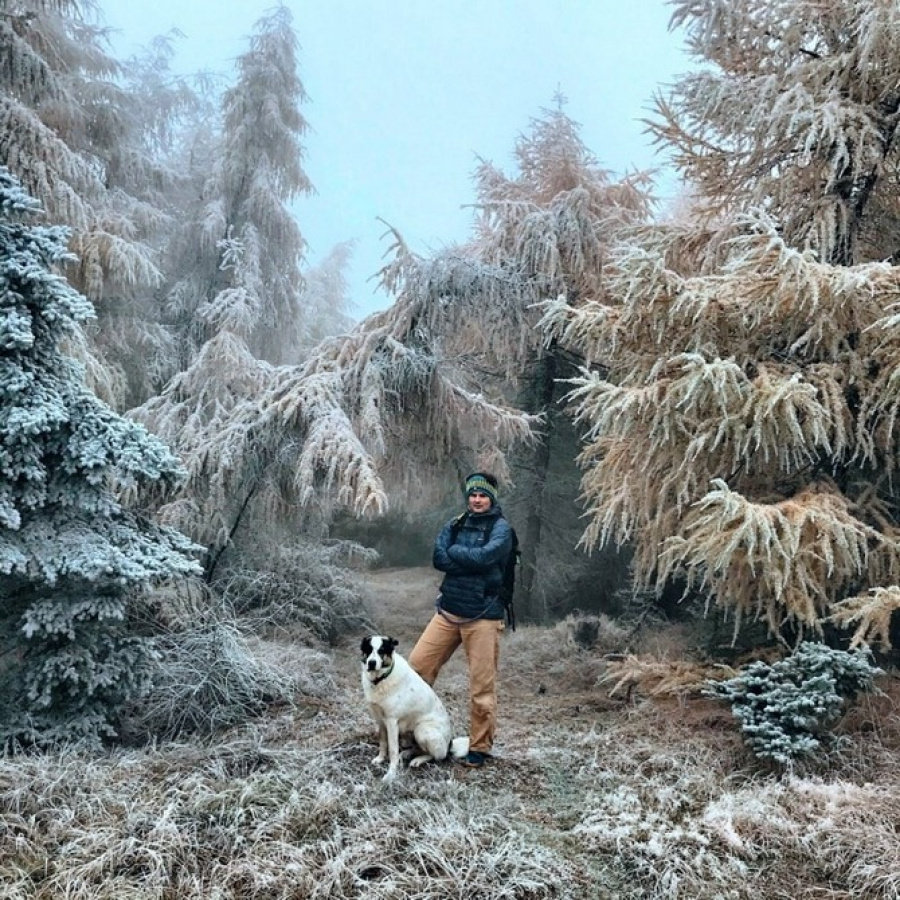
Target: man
(471, 551)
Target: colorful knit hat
(478, 481)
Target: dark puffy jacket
(473, 565)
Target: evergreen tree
(73, 559)
(741, 432)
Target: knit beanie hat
(477, 481)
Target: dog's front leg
(393, 739)
(382, 745)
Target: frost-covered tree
(371, 413)
(795, 108)
(55, 66)
(543, 231)
(235, 296)
(84, 147)
(787, 710)
(325, 301)
(236, 260)
(741, 432)
(73, 559)
(159, 117)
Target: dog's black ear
(392, 645)
(365, 646)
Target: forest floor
(591, 795)
(651, 796)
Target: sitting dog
(402, 703)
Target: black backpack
(508, 584)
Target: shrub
(306, 584)
(787, 709)
(213, 676)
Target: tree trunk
(214, 555)
(534, 605)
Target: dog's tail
(459, 747)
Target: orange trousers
(481, 641)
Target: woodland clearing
(590, 796)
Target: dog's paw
(390, 775)
(459, 747)
(420, 761)
(379, 760)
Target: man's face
(478, 502)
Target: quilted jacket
(472, 564)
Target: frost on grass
(214, 675)
(648, 824)
(244, 820)
(664, 816)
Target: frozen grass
(243, 820)
(215, 675)
(591, 797)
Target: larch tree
(325, 300)
(544, 231)
(371, 414)
(797, 100)
(268, 444)
(73, 560)
(79, 144)
(741, 429)
(235, 261)
(52, 55)
(234, 296)
(158, 116)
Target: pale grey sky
(405, 94)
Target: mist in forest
(405, 97)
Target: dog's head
(377, 653)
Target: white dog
(402, 703)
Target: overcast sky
(405, 94)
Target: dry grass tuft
(215, 675)
(242, 819)
(655, 677)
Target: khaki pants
(481, 641)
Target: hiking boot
(475, 759)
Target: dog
(403, 703)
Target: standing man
(471, 551)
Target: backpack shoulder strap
(458, 523)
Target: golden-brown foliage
(652, 677)
(746, 418)
(795, 107)
(871, 614)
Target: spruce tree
(73, 558)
